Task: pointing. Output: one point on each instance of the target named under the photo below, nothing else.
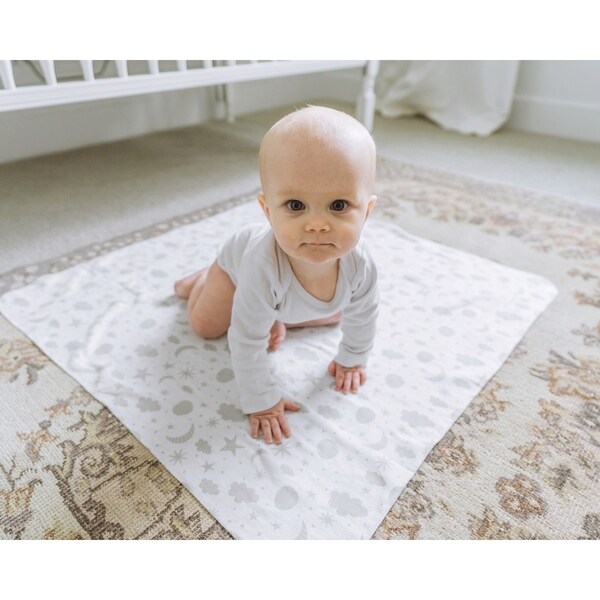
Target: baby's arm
(359, 321)
(252, 316)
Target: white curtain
(468, 96)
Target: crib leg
(365, 103)
(220, 104)
(229, 103)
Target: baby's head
(317, 170)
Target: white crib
(53, 92)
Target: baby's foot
(183, 287)
(277, 335)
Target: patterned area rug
(522, 462)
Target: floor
(54, 204)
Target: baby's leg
(210, 300)
(183, 287)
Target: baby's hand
(272, 422)
(347, 378)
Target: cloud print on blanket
(448, 320)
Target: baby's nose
(317, 223)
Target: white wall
(560, 98)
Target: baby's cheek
(349, 238)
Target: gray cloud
(344, 504)
(209, 487)
(242, 493)
(230, 412)
(148, 405)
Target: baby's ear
(263, 204)
(371, 205)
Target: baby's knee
(208, 334)
(206, 329)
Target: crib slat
(48, 71)
(153, 66)
(87, 67)
(229, 96)
(182, 65)
(121, 68)
(207, 64)
(6, 74)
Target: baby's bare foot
(183, 287)
(278, 332)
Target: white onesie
(268, 290)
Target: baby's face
(317, 198)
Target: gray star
(281, 450)
(259, 474)
(186, 373)
(212, 422)
(276, 525)
(327, 519)
(253, 516)
(168, 365)
(382, 463)
(178, 456)
(141, 374)
(231, 445)
(208, 466)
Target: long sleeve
(359, 318)
(253, 313)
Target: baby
(307, 266)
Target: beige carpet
(523, 461)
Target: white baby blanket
(448, 320)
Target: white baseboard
(573, 120)
(39, 131)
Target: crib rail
(53, 92)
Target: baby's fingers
(266, 429)
(363, 377)
(289, 405)
(285, 428)
(355, 381)
(276, 430)
(348, 381)
(339, 379)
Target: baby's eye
(339, 205)
(295, 205)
